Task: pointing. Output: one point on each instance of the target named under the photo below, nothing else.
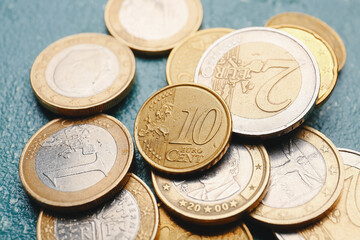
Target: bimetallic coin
(132, 214)
(152, 27)
(183, 59)
(344, 220)
(223, 193)
(170, 229)
(269, 79)
(183, 128)
(83, 74)
(72, 165)
(316, 25)
(306, 179)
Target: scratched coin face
(234, 186)
(344, 220)
(306, 179)
(152, 26)
(132, 214)
(269, 80)
(183, 128)
(75, 164)
(83, 74)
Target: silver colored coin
(268, 78)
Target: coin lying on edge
(222, 194)
(183, 59)
(307, 176)
(316, 25)
(344, 220)
(73, 165)
(268, 78)
(83, 74)
(183, 128)
(132, 214)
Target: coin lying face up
(72, 165)
(132, 214)
(268, 78)
(83, 74)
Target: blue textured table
(28, 26)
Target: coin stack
(224, 140)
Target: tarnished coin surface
(83, 74)
(324, 55)
(171, 229)
(72, 165)
(344, 220)
(225, 192)
(306, 179)
(153, 26)
(132, 214)
(183, 59)
(269, 79)
(316, 25)
(183, 128)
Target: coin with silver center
(269, 79)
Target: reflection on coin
(183, 59)
(72, 165)
(223, 193)
(83, 74)
(152, 26)
(183, 128)
(132, 214)
(268, 78)
(316, 25)
(306, 179)
(170, 229)
(344, 220)
(324, 55)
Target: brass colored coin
(183, 128)
(183, 59)
(323, 54)
(153, 27)
(222, 194)
(73, 165)
(132, 214)
(83, 74)
(316, 25)
(170, 229)
(306, 179)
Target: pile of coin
(259, 83)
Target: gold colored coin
(153, 27)
(306, 179)
(170, 229)
(73, 165)
(323, 54)
(132, 214)
(183, 59)
(83, 74)
(183, 128)
(222, 194)
(316, 25)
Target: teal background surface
(28, 26)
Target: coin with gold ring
(71, 165)
(83, 74)
(183, 59)
(132, 214)
(223, 193)
(152, 27)
(317, 26)
(323, 54)
(169, 228)
(307, 176)
(183, 128)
